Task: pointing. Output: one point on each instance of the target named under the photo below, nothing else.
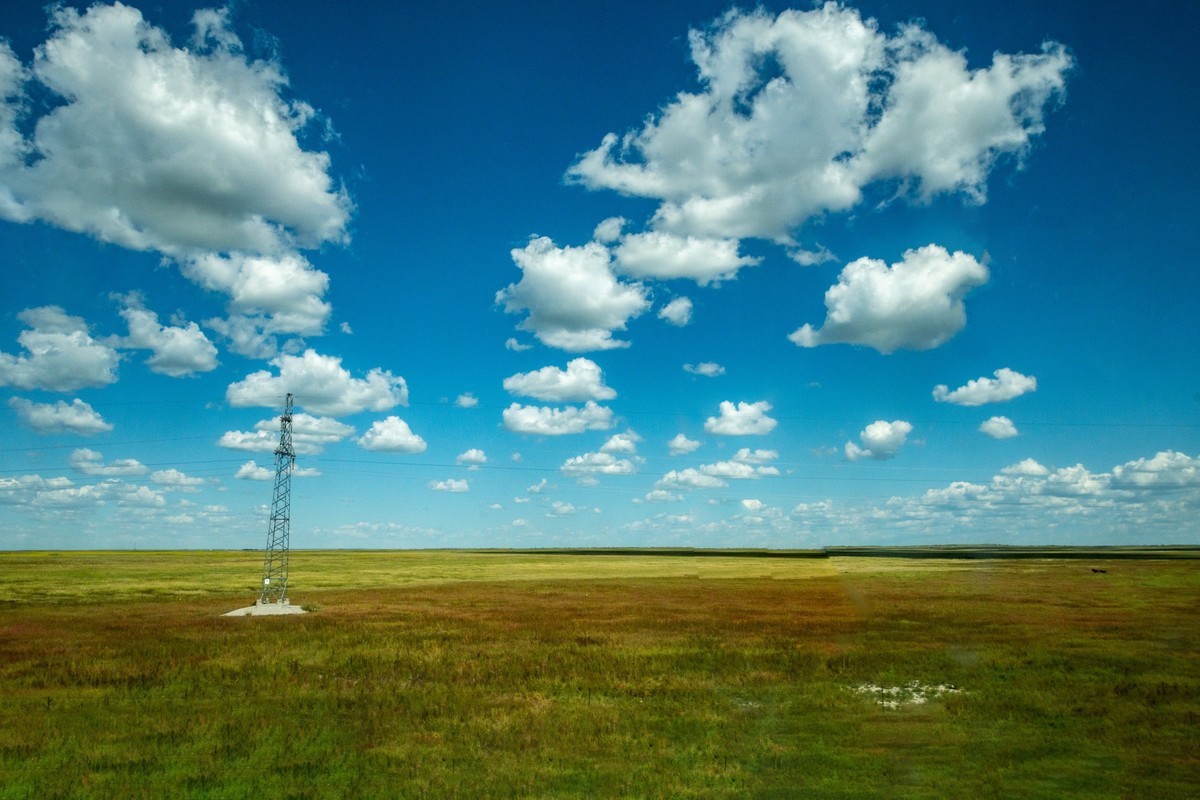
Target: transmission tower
(275, 561)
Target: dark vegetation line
(931, 551)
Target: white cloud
(916, 304)
(626, 442)
(592, 464)
(13, 147)
(753, 505)
(78, 417)
(61, 354)
(681, 445)
(473, 458)
(277, 293)
(176, 350)
(609, 230)
(998, 428)
(545, 421)
(708, 369)
(737, 470)
(881, 440)
(798, 112)
(662, 496)
(664, 256)
(560, 509)
(321, 385)
(174, 479)
(538, 487)
(1007, 384)
(517, 347)
(944, 126)
(747, 456)
(1166, 470)
(689, 478)
(678, 312)
(450, 485)
(746, 465)
(310, 435)
(575, 303)
(743, 419)
(158, 147)
(250, 471)
(466, 400)
(1148, 493)
(139, 496)
(261, 441)
(392, 435)
(90, 462)
(581, 380)
(345, 328)
(811, 258)
(1027, 467)
(246, 336)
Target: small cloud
(449, 485)
(590, 465)
(345, 327)
(545, 421)
(473, 458)
(881, 440)
(742, 419)
(1006, 385)
(999, 428)
(1028, 468)
(609, 230)
(61, 356)
(681, 445)
(560, 509)
(517, 347)
(90, 462)
(752, 505)
(173, 478)
(392, 435)
(708, 369)
(466, 400)
(581, 380)
(915, 304)
(678, 312)
(251, 471)
(78, 417)
(811, 258)
(621, 443)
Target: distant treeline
(932, 551)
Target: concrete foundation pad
(266, 610)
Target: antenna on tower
(275, 560)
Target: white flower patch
(913, 693)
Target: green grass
(445, 674)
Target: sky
(542, 274)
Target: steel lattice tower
(275, 561)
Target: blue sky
(547, 275)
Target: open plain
(509, 674)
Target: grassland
(443, 674)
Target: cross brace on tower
(275, 561)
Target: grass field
(447, 674)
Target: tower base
(261, 609)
